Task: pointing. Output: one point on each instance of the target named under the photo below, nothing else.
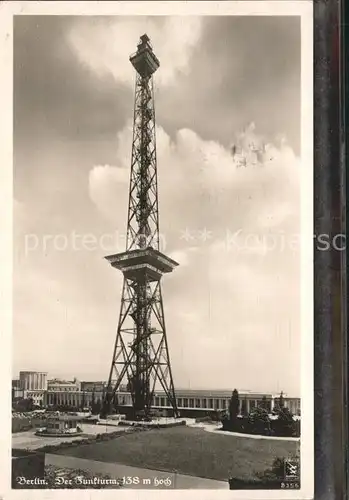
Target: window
(204, 403)
(167, 402)
(210, 403)
(179, 402)
(185, 403)
(191, 403)
(217, 404)
(197, 403)
(157, 401)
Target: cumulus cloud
(101, 178)
(229, 228)
(102, 46)
(200, 185)
(184, 256)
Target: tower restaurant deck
(136, 262)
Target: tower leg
(141, 358)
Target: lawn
(188, 451)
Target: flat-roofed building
(88, 386)
(197, 401)
(77, 399)
(189, 401)
(33, 381)
(59, 385)
(61, 425)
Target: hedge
(276, 427)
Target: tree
(264, 403)
(259, 421)
(285, 422)
(234, 406)
(96, 406)
(24, 405)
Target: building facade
(193, 401)
(33, 381)
(38, 397)
(77, 399)
(98, 386)
(18, 393)
(57, 385)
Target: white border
(263, 8)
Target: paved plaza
(29, 441)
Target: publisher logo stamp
(291, 470)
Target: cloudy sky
(232, 306)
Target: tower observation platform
(136, 264)
(140, 358)
(144, 60)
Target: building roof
(214, 393)
(208, 393)
(31, 372)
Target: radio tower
(141, 356)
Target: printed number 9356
(293, 486)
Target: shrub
(259, 422)
(285, 425)
(277, 470)
(238, 425)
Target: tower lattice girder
(141, 355)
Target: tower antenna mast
(141, 355)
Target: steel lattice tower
(141, 355)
